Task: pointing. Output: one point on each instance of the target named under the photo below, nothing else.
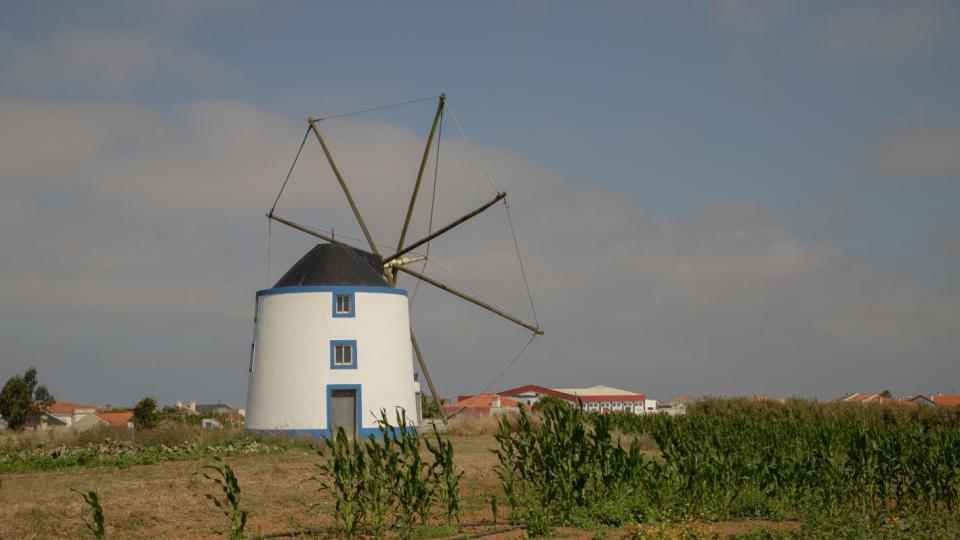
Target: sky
(711, 198)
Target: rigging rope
(290, 172)
(489, 178)
(472, 151)
(465, 284)
(277, 200)
(523, 271)
(497, 378)
(433, 200)
(381, 108)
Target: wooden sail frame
(394, 263)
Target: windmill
(341, 301)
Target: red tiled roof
(118, 419)
(480, 404)
(483, 400)
(946, 400)
(65, 407)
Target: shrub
(145, 414)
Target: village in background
(53, 415)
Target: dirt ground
(167, 500)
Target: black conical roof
(335, 264)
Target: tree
(886, 394)
(428, 407)
(22, 401)
(145, 413)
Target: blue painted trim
(353, 305)
(333, 353)
(321, 433)
(330, 389)
(336, 289)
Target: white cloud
(149, 226)
(889, 28)
(109, 61)
(920, 146)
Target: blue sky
(832, 128)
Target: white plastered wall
(291, 368)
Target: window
(343, 305)
(253, 355)
(343, 354)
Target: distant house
(675, 406)
(116, 418)
(929, 400)
(603, 399)
(63, 415)
(483, 404)
(230, 413)
(187, 406)
(222, 409)
(877, 399)
(66, 414)
(860, 397)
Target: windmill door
(343, 411)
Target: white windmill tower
(333, 343)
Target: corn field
(728, 459)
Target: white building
(604, 399)
(331, 348)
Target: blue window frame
(343, 354)
(344, 304)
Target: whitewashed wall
(291, 367)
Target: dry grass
(466, 425)
(166, 500)
(165, 434)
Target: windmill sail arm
(423, 166)
(493, 309)
(443, 230)
(426, 374)
(400, 261)
(343, 185)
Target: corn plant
(375, 479)
(96, 526)
(412, 482)
(445, 477)
(229, 503)
(344, 474)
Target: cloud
(109, 61)
(889, 28)
(133, 240)
(920, 146)
(752, 15)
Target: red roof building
(595, 398)
(482, 404)
(66, 408)
(116, 419)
